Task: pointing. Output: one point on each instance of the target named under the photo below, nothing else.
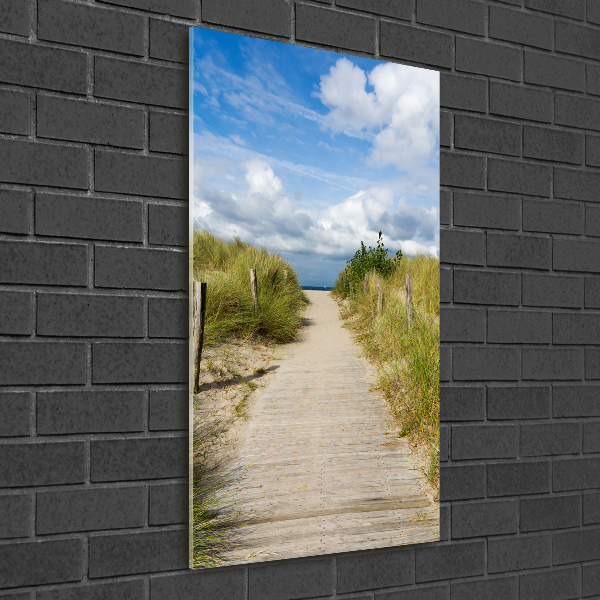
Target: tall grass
(407, 357)
(225, 266)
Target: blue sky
(309, 152)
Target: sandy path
(318, 470)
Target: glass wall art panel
(314, 301)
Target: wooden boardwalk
(319, 472)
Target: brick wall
(93, 298)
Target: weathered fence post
(409, 306)
(351, 289)
(199, 310)
(379, 293)
(366, 283)
(254, 288)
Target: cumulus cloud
(400, 115)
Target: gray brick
(552, 363)
(461, 15)
(552, 217)
(258, 15)
(576, 328)
(88, 218)
(169, 41)
(33, 163)
(89, 26)
(488, 58)
(168, 224)
(519, 327)
(592, 12)
(26, 464)
(15, 313)
(168, 410)
(518, 402)
(89, 510)
(462, 324)
(123, 590)
(575, 255)
(487, 135)
(15, 408)
(418, 45)
(14, 516)
(90, 315)
(485, 210)
(42, 363)
(14, 17)
(577, 111)
(558, 584)
(92, 122)
(135, 459)
(168, 318)
(462, 170)
(553, 144)
(477, 519)
(574, 9)
(462, 247)
(591, 437)
(459, 91)
(436, 592)
(183, 8)
(465, 482)
(399, 9)
(140, 82)
(512, 479)
(576, 546)
(445, 207)
(445, 363)
(576, 185)
(518, 553)
(121, 362)
(516, 250)
(484, 441)
(15, 211)
(575, 474)
(380, 569)
(558, 512)
(487, 287)
(168, 504)
(578, 40)
(520, 102)
(131, 553)
(487, 589)
(547, 439)
(592, 292)
(89, 412)
(576, 400)
(592, 363)
(168, 132)
(141, 268)
(545, 69)
(446, 122)
(227, 583)
(455, 560)
(43, 67)
(14, 112)
(485, 363)
(591, 508)
(520, 177)
(462, 404)
(552, 290)
(141, 175)
(590, 579)
(520, 27)
(446, 283)
(56, 561)
(592, 150)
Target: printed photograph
(314, 301)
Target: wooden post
(351, 290)
(409, 306)
(379, 293)
(199, 311)
(366, 283)
(254, 288)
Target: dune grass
(408, 358)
